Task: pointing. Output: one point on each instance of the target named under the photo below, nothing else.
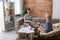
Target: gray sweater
(28, 18)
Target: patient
(28, 17)
(48, 25)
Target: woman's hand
(41, 28)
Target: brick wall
(39, 7)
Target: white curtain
(1, 17)
(56, 9)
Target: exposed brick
(39, 7)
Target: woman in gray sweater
(28, 17)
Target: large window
(11, 0)
(18, 6)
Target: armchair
(53, 35)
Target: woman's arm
(41, 28)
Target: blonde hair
(49, 17)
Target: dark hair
(28, 9)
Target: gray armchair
(18, 23)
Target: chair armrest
(51, 34)
(18, 22)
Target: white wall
(56, 9)
(1, 17)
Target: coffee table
(27, 31)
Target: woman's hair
(28, 9)
(30, 24)
(49, 17)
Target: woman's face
(46, 16)
(29, 11)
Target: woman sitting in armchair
(47, 29)
(48, 25)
